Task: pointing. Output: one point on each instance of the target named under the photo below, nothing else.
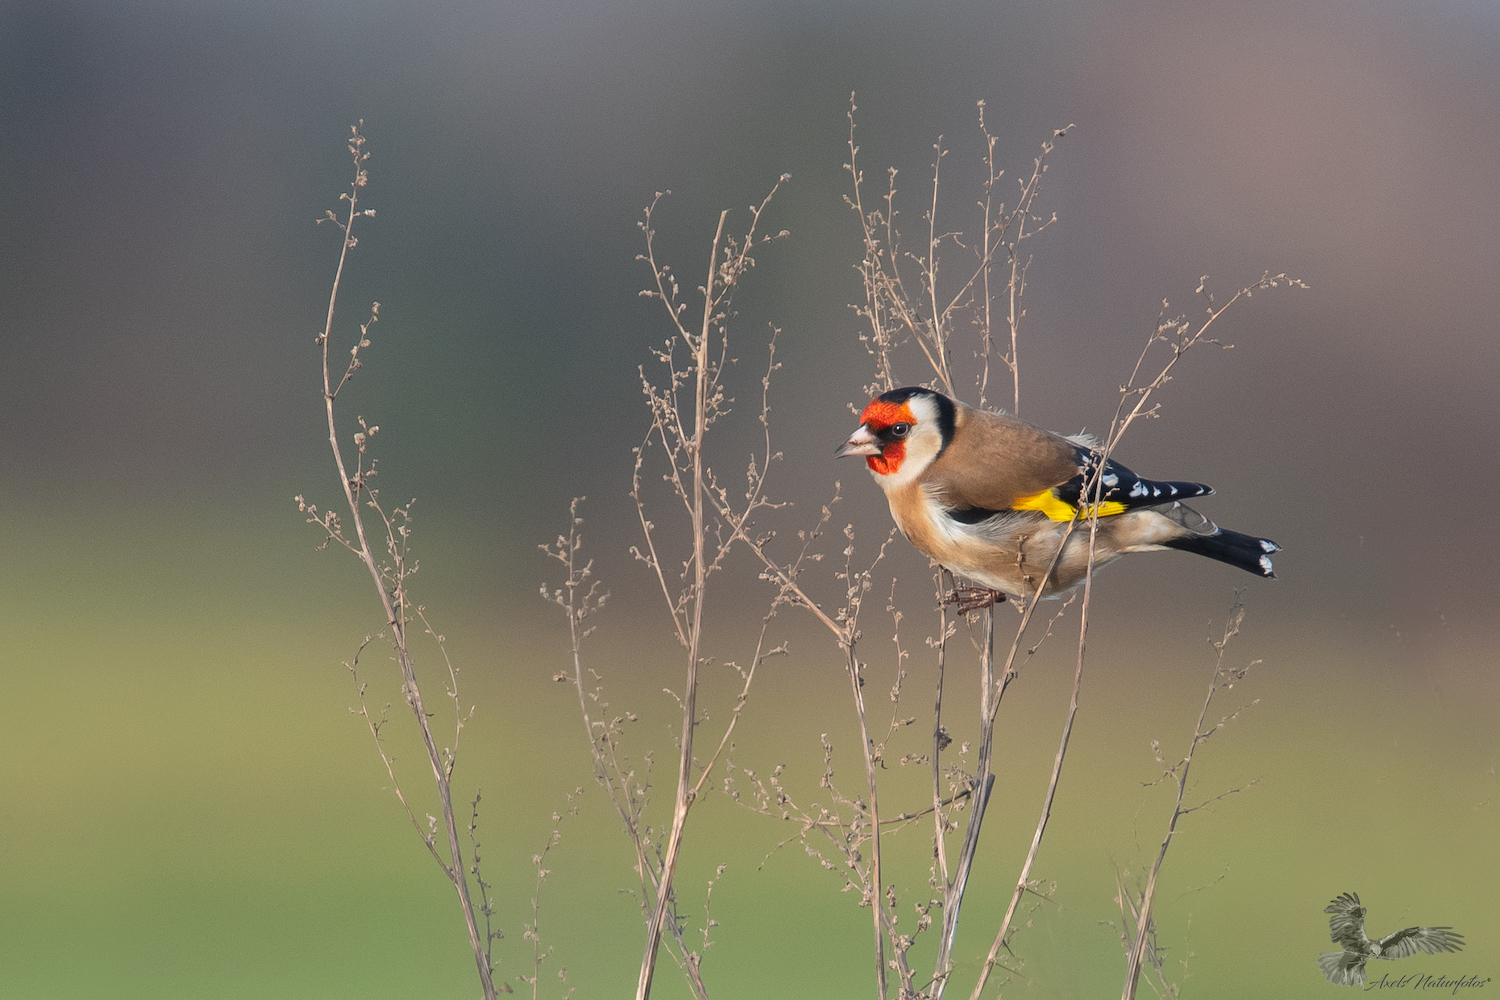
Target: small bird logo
(992, 498)
(1347, 928)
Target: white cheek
(901, 477)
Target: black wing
(1120, 485)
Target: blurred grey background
(161, 277)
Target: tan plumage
(991, 497)
(994, 460)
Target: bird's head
(901, 433)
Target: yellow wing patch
(1058, 510)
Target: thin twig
(681, 431)
(1219, 678)
(390, 583)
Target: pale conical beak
(861, 442)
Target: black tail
(1251, 554)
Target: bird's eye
(901, 430)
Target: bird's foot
(974, 598)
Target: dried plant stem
(893, 319)
(873, 818)
(684, 800)
(938, 355)
(681, 429)
(375, 726)
(865, 829)
(1095, 488)
(984, 782)
(939, 736)
(1180, 336)
(1180, 774)
(1057, 762)
(986, 328)
(579, 597)
(990, 697)
(579, 602)
(393, 599)
(907, 311)
(1016, 287)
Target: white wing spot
(1111, 480)
(1138, 490)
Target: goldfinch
(991, 497)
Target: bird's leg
(973, 598)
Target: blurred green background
(189, 810)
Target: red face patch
(889, 460)
(879, 415)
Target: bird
(991, 498)
(1347, 928)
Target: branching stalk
(1220, 678)
(393, 597)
